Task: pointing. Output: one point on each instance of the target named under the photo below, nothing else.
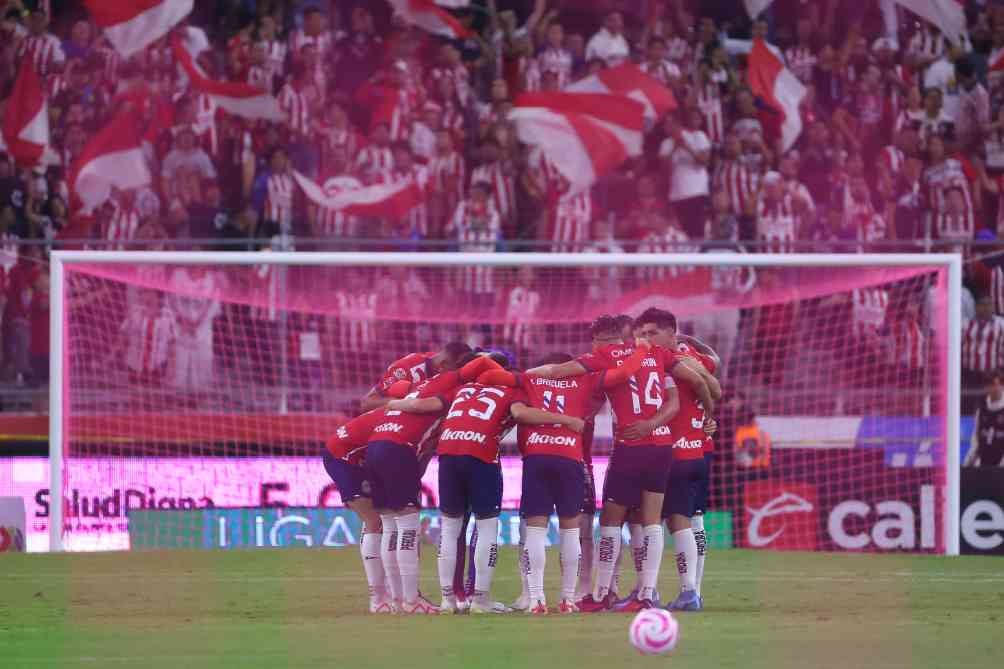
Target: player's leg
(568, 483)
(586, 534)
(697, 520)
(522, 602)
(536, 504)
(401, 486)
(653, 485)
(678, 508)
(349, 480)
(374, 472)
(486, 503)
(453, 510)
(621, 491)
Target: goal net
(207, 381)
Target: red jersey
(478, 420)
(411, 429)
(688, 425)
(578, 396)
(414, 367)
(709, 364)
(350, 439)
(641, 397)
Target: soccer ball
(654, 632)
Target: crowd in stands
(902, 147)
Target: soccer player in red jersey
(553, 471)
(470, 477)
(393, 470)
(342, 459)
(639, 467)
(688, 465)
(416, 368)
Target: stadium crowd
(902, 147)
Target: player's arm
(560, 370)
(531, 416)
(498, 377)
(376, 398)
(702, 348)
(683, 373)
(714, 386)
(666, 413)
(619, 375)
(417, 405)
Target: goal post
(110, 421)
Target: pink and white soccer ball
(654, 632)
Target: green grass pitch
(304, 608)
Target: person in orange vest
(752, 446)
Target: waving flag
(393, 200)
(585, 135)
(112, 158)
(770, 80)
(26, 121)
(133, 25)
(948, 15)
(630, 80)
(238, 98)
(756, 7)
(429, 17)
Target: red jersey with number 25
(690, 440)
(413, 367)
(410, 429)
(350, 439)
(478, 420)
(641, 397)
(577, 396)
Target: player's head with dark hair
(501, 358)
(605, 330)
(626, 325)
(554, 359)
(452, 353)
(658, 326)
(462, 360)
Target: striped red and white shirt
(957, 227)
(868, 310)
(997, 288)
(297, 109)
(279, 201)
(356, 320)
(205, 123)
(983, 344)
(558, 61)
(939, 179)
(149, 339)
(54, 85)
(275, 57)
(569, 216)
(909, 344)
(709, 101)
(776, 224)
(477, 229)
(122, 226)
(43, 50)
(299, 39)
(673, 240)
(449, 176)
(666, 72)
(521, 310)
(802, 62)
(503, 188)
(332, 223)
(740, 184)
(373, 159)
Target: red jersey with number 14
(478, 420)
(577, 396)
(350, 439)
(411, 429)
(641, 397)
(414, 367)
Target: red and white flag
(630, 80)
(756, 7)
(585, 135)
(238, 98)
(113, 158)
(949, 16)
(133, 25)
(393, 200)
(429, 17)
(26, 121)
(771, 80)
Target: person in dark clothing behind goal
(988, 427)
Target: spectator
(987, 446)
(475, 227)
(192, 301)
(982, 346)
(609, 44)
(687, 152)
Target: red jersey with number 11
(577, 396)
(641, 397)
(478, 420)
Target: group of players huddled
(459, 405)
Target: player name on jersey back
(578, 396)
